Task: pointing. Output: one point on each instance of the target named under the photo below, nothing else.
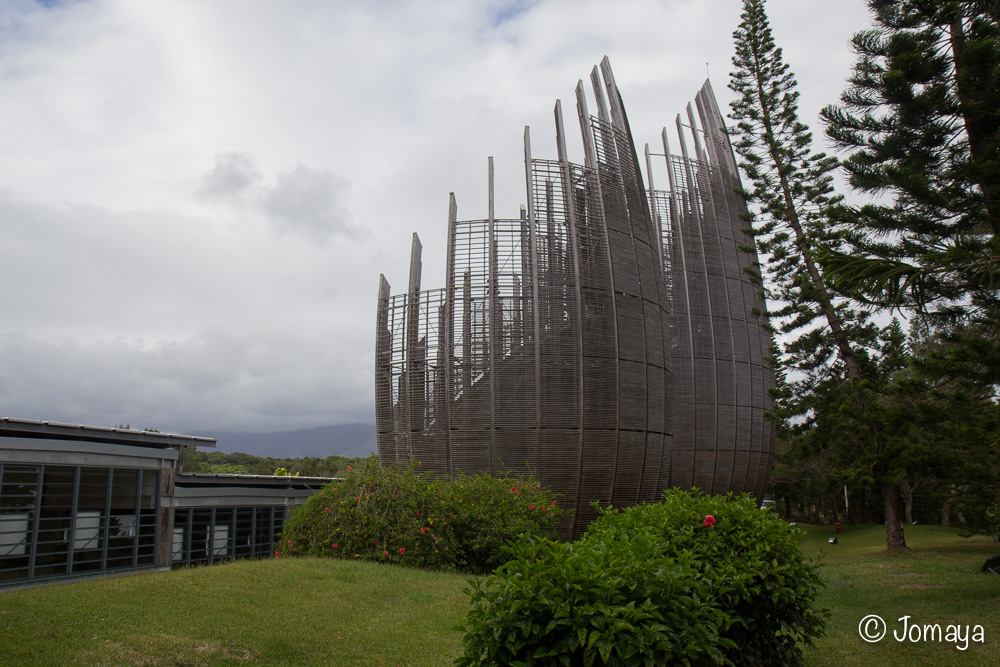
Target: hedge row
(401, 516)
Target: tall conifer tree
(920, 120)
(823, 339)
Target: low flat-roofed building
(85, 500)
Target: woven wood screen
(607, 341)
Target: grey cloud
(215, 380)
(310, 202)
(232, 175)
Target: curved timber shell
(606, 341)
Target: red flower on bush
(531, 507)
(349, 468)
(709, 521)
(402, 551)
(385, 553)
(357, 497)
(275, 553)
(335, 546)
(417, 513)
(327, 509)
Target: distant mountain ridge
(350, 440)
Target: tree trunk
(893, 517)
(908, 491)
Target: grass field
(274, 612)
(325, 612)
(936, 581)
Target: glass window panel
(150, 489)
(88, 530)
(93, 493)
(18, 486)
(177, 554)
(14, 533)
(123, 488)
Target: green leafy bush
(651, 585)
(401, 516)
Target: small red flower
(349, 468)
(417, 513)
(513, 488)
(402, 551)
(289, 541)
(709, 521)
(385, 553)
(327, 509)
(376, 542)
(553, 503)
(357, 497)
(421, 531)
(435, 538)
(531, 507)
(335, 546)
(275, 553)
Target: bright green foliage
(399, 516)
(920, 120)
(652, 585)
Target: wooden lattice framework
(607, 341)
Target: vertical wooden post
(415, 398)
(535, 324)
(573, 225)
(448, 331)
(494, 325)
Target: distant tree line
(239, 463)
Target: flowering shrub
(696, 579)
(399, 516)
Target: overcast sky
(197, 196)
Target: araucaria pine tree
(920, 121)
(823, 339)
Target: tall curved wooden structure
(605, 341)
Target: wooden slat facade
(606, 341)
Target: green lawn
(274, 612)
(328, 612)
(936, 581)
